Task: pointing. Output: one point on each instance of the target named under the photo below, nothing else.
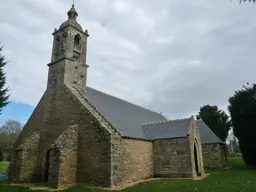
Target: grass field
(3, 167)
(237, 179)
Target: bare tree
(12, 127)
(8, 134)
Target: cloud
(122, 6)
(169, 56)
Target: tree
(217, 120)
(12, 127)
(242, 108)
(3, 89)
(8, 134)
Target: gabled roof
(169, 129)
(125, 116)
(207, 136)
(137, 122)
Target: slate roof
(169, 129)
(125, 116)
(137, 122)
(207, 136)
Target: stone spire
(72, 16)
(72, 13)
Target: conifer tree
(217, 120)
(4, 96)
(242, 108)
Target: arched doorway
(196, 159)
(46, 167)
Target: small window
(77, 42)
(57, 46)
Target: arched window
(77, 42)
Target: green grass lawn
(3, 167)
(237, 179)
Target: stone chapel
(78, 134)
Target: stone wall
(94, 146)
(213, 156)
(15, 166)
(63, 159)
(132, 160)
(25, 163)
(51, 169)
(172, 158)
(34, 124)
(195, 143)
(59, 109)
(94, 160)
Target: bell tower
(68, 62)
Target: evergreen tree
(217, 120)
(3, 89)
(242, 108)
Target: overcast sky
(170, 56)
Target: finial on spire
(72, 14)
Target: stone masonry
(172, 158)
(61, 165)
(176, 158)
(21, 170)
(214, 156)
(195, 144)
(132, 161)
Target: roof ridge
(159, 122)
(151, 136)
(125, 101)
